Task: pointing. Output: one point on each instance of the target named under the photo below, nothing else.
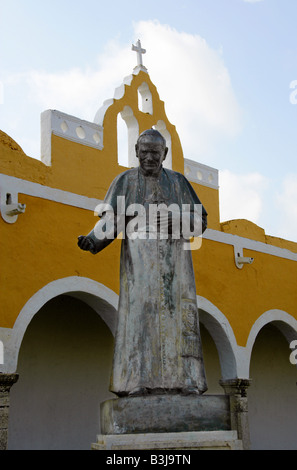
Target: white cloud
(194, 83)
(241, 196)
(249, 196)
(252, 1)
(82, 91)
(190, 76)
(287, 208)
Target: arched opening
(222, 336)
(211, 363)
(161, 127)
(145, 100)
(122, 136)
(272, 394)
(64, 367)
(127, 135)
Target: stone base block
(209, 440)
(165, 414)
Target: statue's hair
(154, 133)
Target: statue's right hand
(85, 243)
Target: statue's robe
(157, 342)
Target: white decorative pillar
(237, 391)
(6, 382)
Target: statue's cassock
(157, 343)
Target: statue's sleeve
(189, 196)
(110, 213)
(118, 188)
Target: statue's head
(151, 151)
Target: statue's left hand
(85, 243)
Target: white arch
(279, 318)
(161, 127)
(222, 333)
(133, 132)
(235, 360)
(103, 300)
(145, 99)
(1, 353)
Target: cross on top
(139, 51)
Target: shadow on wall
(64, 371)
(272, 395)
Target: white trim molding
(102, 299)
(118, 94)
(12, 185)
(222, 333)
(235, 360)
(286, 324)
(242, 242)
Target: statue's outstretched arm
(104, 232)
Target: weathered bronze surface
(165, 414)
(157, 343)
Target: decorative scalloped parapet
(137, 101)
(68, 127)
(118, 94)
(135, 111)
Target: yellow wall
(41, 246)
(243, 295)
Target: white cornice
(201, 174)
(13, 185)
(247, 243)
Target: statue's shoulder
(175, 175)
(126, 175)
(131, 173)
(121, 185)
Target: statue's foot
(191, 391)
(138, 391)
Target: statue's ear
(165, 153)
(136, 150)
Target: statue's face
(151, 153)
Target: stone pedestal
(6, 382)
(165, 413)
(236, 389)
(205, 440)
(167, 422)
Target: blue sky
(223, 67)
